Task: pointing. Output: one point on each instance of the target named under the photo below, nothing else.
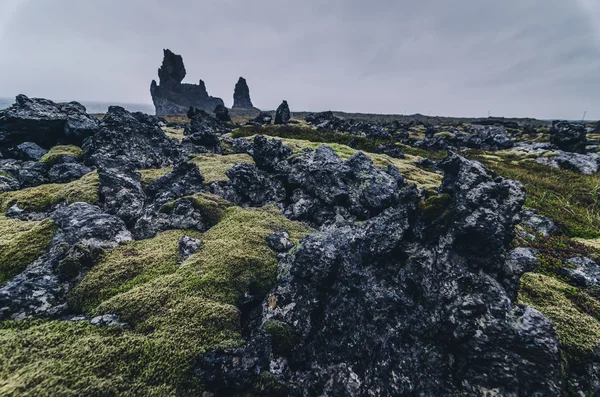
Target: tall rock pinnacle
(241, 95)
(172, 96)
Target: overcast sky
(538, 58)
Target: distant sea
(96, 107)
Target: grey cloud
(463, 58)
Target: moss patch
(41, 197)
(175, 313)
(21, 243)
(122, 268)
(212, 166)
(215, 166)
(412, 173)
(574, 314)
(60, 151)
(211, 206)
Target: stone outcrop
(44, 123)
(569, 137)
(241, 95)
(171, 96)
(282, 115)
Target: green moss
(444, 134)
(568, 198)
(215, 166)
(41, 197)
(21, 243)
(407, 169)
(4, 174)
(284, 337)
(574, 314)
(122, 268)
(60, 151)
(212, 166)
(175, 313)
(211, 206)
(435, 206)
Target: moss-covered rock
(41, 197)
(122, 268)
(435, 206)
(575, 314)
(61, 151)
(211, 206)
(284, 336)
(175, 313)
(21, 243)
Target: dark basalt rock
(327, 121)
(254, 187)
(263, 118)
(30, 151)
(188, 246)
(486, 137)
(121, 193)
(404, 307)
(268, 154)
(282, 115)
(133, 139)
(202, 133)
(280, 241)
(241, 95)
(32, 173)
(67, 172)
(41, 290)
(222, 114)
(184, 180)
(44, 122)
(569, 137)
(584, 273)
(538, 223)
(586, 164)
(173, 97)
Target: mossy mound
(575, 314)
(21, 243)
(41, 197)
(211, 206)
(60, 151)
(176, 312)
(122, 268)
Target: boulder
(584, 272)
(263, 118)
(122, 194)
(130, 139)
(188, 246)
(30, 151)
(222, 114)
(538, 223)
(569, 137)
(67, 172)
(241, 95)
(171, 96)
(45, 123)
(282, 115)
(201, 134)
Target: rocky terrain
(295, 255)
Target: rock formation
(171, 96)
(282, 115)
(569, 137)
(241, 95)
(222, 114)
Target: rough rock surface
(282, 114)
(263, 118)
(241, 95)
(569, 137)
(438, 318)
(133, 139)
(83, 232)
(584, 273)
(171, 96)
(222, 114)
(44, 122)
(201, 134)
(538, 223)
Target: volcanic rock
(241, 95)
(130, 138)
(222, 114)
(171, 96)
(282, 115)
(569, 137)
(44, 122)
